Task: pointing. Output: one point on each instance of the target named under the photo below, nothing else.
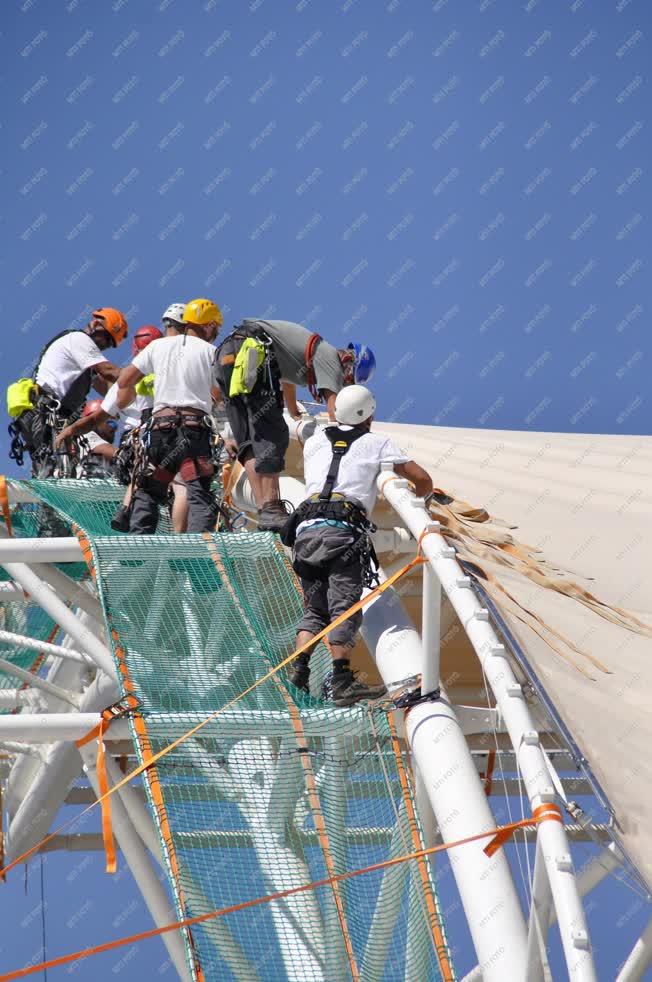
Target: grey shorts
(339, 588)
(260, 431)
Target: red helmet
(143, 336)
(92, 407)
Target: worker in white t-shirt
(179, 433)
(66, 369)
(330, 532)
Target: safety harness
(253, 371)
(334, 507)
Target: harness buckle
(127, 704)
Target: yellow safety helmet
(202, 311)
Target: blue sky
(460, 184)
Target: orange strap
(4, 504)
(541, 814)
(309, 355)
(489, 775)
(97, 733)
(150, 759)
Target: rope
(4, 504)
(501, 835)
(151, 759)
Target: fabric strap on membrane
(103, 783)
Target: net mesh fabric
(280, 789)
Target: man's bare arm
(290, 397)
(128, 379)
(83, 425)
(417, 475)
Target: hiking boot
(120, 519)
(347, 689)
(272, 516)
(299, 675)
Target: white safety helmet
(174, 313)
(354, 405)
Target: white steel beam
(56, 608)
(456, 794)
(538, 969)
(65, 549)
(639, 958)
(517, 717)
(33, 644)
(37, 682)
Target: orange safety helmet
(114, 323)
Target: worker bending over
(258, 366)
(178, 439)
(66, 369)
(330, 532)
(96, 450)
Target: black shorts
(259, 428)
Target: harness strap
(309, 357)
(341, 441)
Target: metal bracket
(123, 707)
(414, 698)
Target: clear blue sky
(461, 184)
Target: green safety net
(281, 788)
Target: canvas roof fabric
(585, 501)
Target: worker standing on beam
(330, 533)
(259, 365)
(178, 437)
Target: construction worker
(330, 531)
(66, 369)
(96, 446)
(259, 366)
(179, 432)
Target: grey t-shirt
(290, 342)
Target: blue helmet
(365, 362)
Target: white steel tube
(516, 714)
(75, 593)
(13, 698)
(21, 641)
(65, 549)
(64, 617)
(456, 795)
(537, 961)
(431, 645)
(640, 957)
(139, 863)
(38, 683)
(11, 593)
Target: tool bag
(246, 365)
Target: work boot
(272, 516)
(120, 519)
(347, 689)
(299, 674)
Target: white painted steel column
(61, 614)
(537, 961)
(70, 590)
(457, 797)
(640, 957)
(65, 549)
(136, 857)
(515, 712)
(430, 678)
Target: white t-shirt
(131, 415)
(94, 440)
(66, 359)
(359, 468)
(183, 370)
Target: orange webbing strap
(441, 948)
(4, 504)
(151, 759)
(308, 774)
(233, 470)
(542, 813)
(151, 775)
(506, 830)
